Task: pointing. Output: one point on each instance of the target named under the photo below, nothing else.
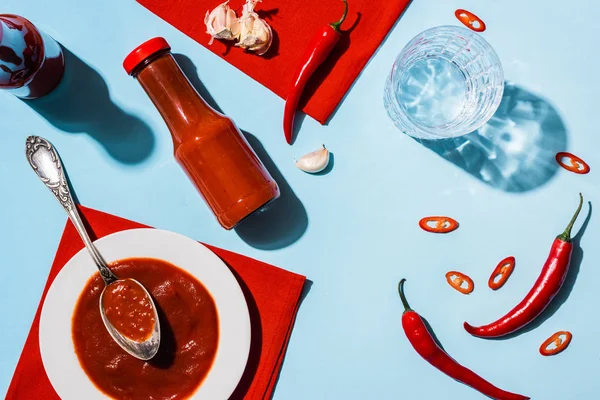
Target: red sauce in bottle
(31, 62)
(208, 146)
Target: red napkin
(294, 24)
(272, 294)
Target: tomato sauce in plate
(189, 335)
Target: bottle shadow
(81, 103)
(567, 287)
(280, 223)
(514, 151)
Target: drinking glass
(447, 82)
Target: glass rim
(435, 131)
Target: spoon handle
(45, 161)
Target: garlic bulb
(255, 34)
(222, 23)
(315, 161)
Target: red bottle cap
(144, 51)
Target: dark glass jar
(31, 62)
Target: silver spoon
(44, 160)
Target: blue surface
(353, 232)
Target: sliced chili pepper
(456, 280)
(544, 289)
(559, 343)
(502, 270)
(575, 164)
(470, 20)
(438, 224)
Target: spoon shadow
(165, 357)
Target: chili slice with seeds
(470, 20)
(502, 270)
(559, 343)
(456, 280)
(576, 164)
(442, 224)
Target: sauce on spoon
(129, 309)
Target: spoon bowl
(44, 160)
(145, 348)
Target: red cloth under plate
(272, 294)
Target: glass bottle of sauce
(31, 62)
(207, 145)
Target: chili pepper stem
(336, 25)
(566, 235)
(402, 296)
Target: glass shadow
(514, 151)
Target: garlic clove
(255, 34)
(315, 161)
(222, 23)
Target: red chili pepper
(576, 164)
(442, 224)
(503, 270)
(423, 342)
(318, 50)
(559, 343)
(456, 280)
(541, 294)
(470, 20)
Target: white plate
(56, 346)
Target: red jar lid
(144, 51)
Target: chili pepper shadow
(567, 287)
(408, 4)
(514, 151)
(255, 344)
(81, 103)
(432, 333)
(282, 222)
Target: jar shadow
(515, 150)
(280, 223)
(81, 103)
